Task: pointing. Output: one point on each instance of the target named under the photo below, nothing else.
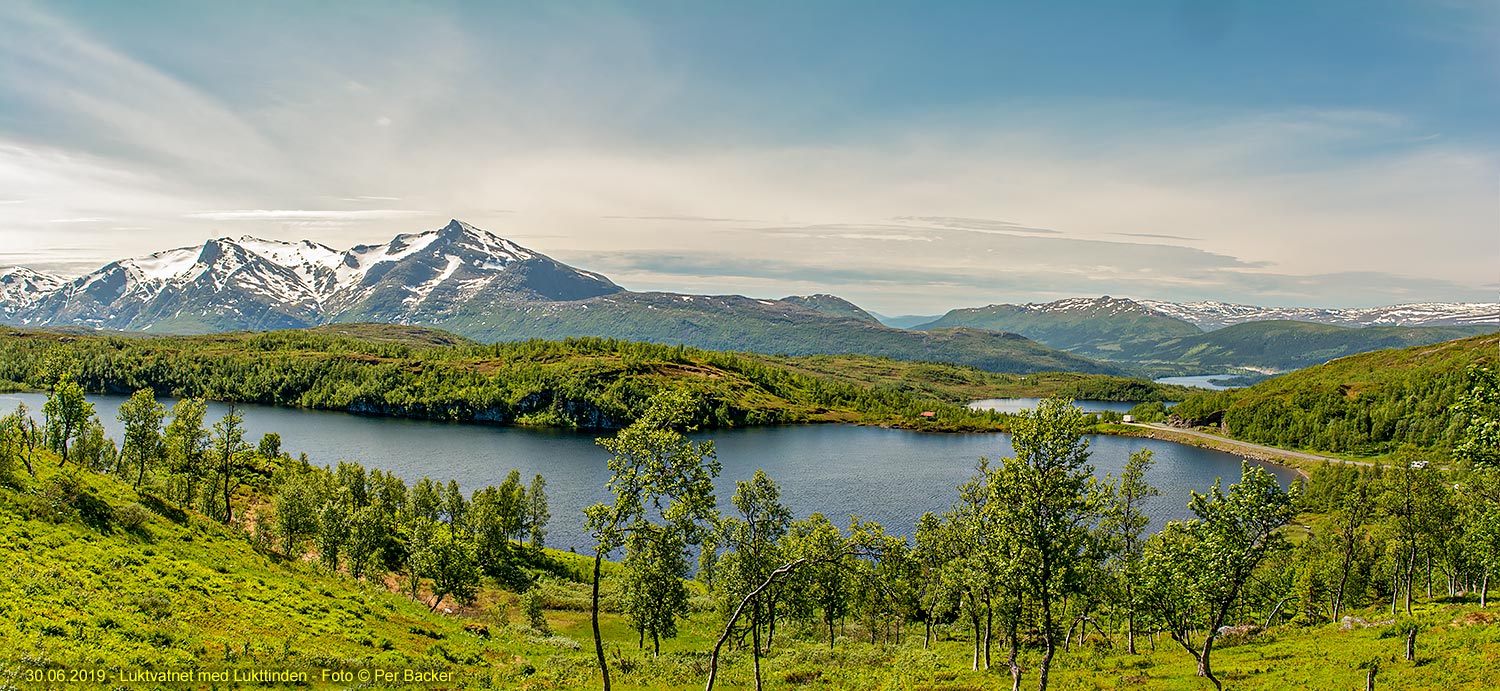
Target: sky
(911, 157)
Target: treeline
(365, 524)
(1365, 404)
(1038, 555)
(585, 382)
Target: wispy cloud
(1157, 236)
(82, 219)
(684, 219)
(601, 141)
(980, 225)
(303, 214)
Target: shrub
(531, 608)
(132, 516)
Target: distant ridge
(478, 285)
(1210, 315)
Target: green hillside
(588, 383)
(1363, 404)
(1104, 328)
(1288, 345)
(831, 304)
(593, 383)
(761, 326)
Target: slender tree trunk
(228, 512)
(1012, 661)
(1411, 643)
(989, 622)
(1129, 618)
(974, 625)
(755, 642)
(1205, 669)
(435, 602)
(1429, 574)
(1484, 588)
(1370, 676)
(655, 644)
(1338, 599)
(713, 658)
(1411, 568)
(771, 621)
(1395, 586)
(594, 620)
(1049, 641)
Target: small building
(1128, 418)
(928, 414)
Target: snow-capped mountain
(20, 287)
(475, 284)
(1210, 315)
(251, 283)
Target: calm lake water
(1199, 380)
(1016, 405)
(890, 476)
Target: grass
(93, 581)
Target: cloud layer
(588, 143)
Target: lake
(890, 476)
(1202, 381)
(1016, 405)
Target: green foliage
(1289, 345)
(67, 415)
(1153, 411)
(143, 446)
(654, 595)
(1479, 443)
(449, 559)
(585, 383)
(1365, 404)
(1197, 571)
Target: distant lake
(1199, 380)
(890, 476)
(1016, 405)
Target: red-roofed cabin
(928, 413)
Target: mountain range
(473, 283)
(1213, 336)
(469, 281)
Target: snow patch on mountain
(1211, 314)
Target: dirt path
(1256, 451)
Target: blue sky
(909, 156)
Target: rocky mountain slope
(478, 285)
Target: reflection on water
(890, 476)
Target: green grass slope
(1362, 404)
(93, 580)
(99, 585)
(1288, 345)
